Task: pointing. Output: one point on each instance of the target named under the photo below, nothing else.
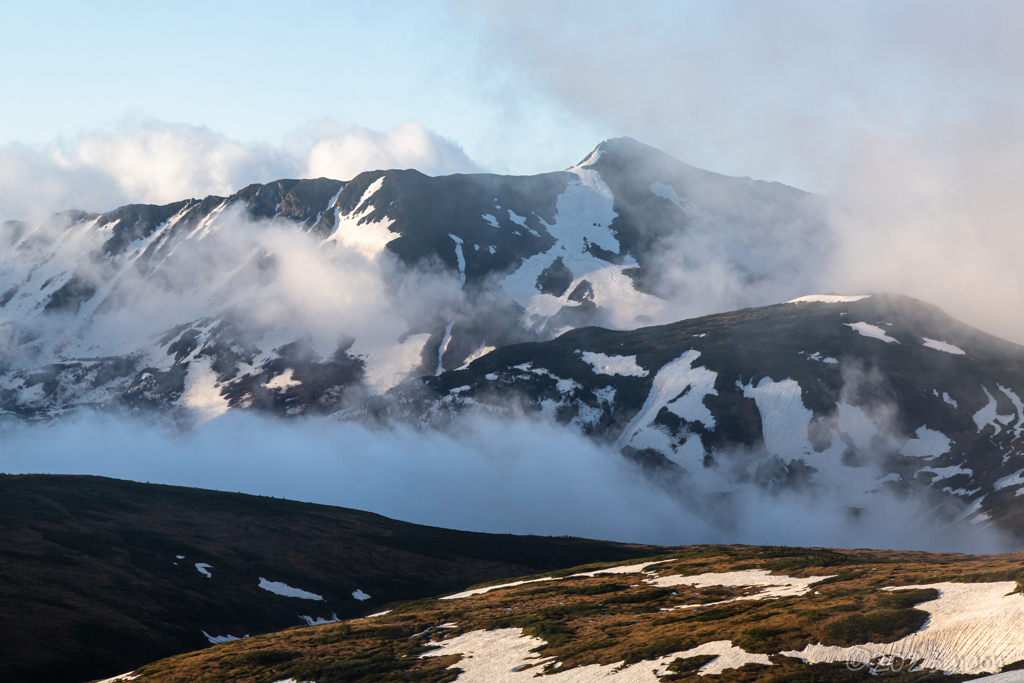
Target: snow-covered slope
(850, 395)
(289, 295)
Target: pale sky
(904, 114)
(769, 89)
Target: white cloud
(342, 152)
(159, 163)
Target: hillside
(98, 576)
(851, 396)
(731, 613)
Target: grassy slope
(606, 620)
(89, 586)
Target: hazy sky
(779, 90)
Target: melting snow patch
(360, 595)
(283, 381)
(279, 588)
(972, 628)
(943, 346)
(828, 298)
(488, 589)
(872, 331)
(506, 655)
(928, 443)
(817, 356)
(202, 395)
(784, 418)
(774, 586)
(216, 640)
(319, 620)
(680, 388)
(988, 415)
(613, 365)
(204, 569)
(122, 677)
(479, 353)
(1014, 479)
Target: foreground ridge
(738, 613)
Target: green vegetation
(879, 626)
(760, 639)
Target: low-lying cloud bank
(157, 163)
(513, 475)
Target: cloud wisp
(484, 474)
(146, 162)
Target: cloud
(905, 116)
(343, 151)
(482, 474)
(159, 163)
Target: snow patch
(460, 258)
(668, 192)
(506, 655)
(784, 418)
(872, 331)
(1015, 479)
(988, 415)
(488, 589)
(927, 443)
(972, 628)
(584, 214)
(202, 395)
(773, 586)
(681, 388)
(217, 640)
(479, 353)
(491, 220)
(951, 401)
(443, 348)
(310, 621)
(283, 381)
(360, 595)
(828, 298)
(613, 365)
(281, 588)
(386, 366)
(204, 569)
(943, 346)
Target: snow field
(873, 331)
(613, 365)
(503, 655)
(943, 346)
(667, 391)
(281, 588)
(583, 215)
(973, 628)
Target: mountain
(291, 296)
(850, 395)
(98, 576)
(730, 613)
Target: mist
(142, 161)
(522, 475)
(904, 116)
